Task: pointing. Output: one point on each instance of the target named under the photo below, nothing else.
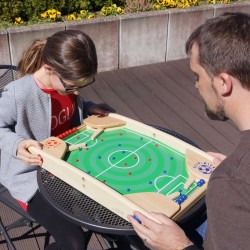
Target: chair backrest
(8, 73)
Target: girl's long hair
(70, 53)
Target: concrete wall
(126, 40)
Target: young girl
(45, 102)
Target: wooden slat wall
(160, 94)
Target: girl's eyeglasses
(72, 89)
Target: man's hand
(165, 236)
(102, 109)
(24, 154)
(218, 157)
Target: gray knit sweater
(25, 113)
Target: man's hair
(70, 53)
(224, 46)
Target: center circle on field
(126, 154)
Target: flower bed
(105, 8)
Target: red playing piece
(129, 173)
(149, 159)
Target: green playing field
(130, 162)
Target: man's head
(219, 51)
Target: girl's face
(65, 87)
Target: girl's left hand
(102, 109)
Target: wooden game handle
(155, 202)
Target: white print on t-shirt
(63, 116)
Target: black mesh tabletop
(86, 212)
(79, 207)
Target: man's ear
(226, 84)
(48, 69)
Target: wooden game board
(126, 165)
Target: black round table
(86, 212)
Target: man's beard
(218, 115)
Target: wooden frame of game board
(123, 205)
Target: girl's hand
(218, 157)
(165, 236)
(102, 109)
(24, 155)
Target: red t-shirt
(63, 107)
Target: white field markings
(158, 142)
(132, 152)
(179, 185)
(192, 187)
(86, 134)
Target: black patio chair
(8, 74)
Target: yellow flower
(120, 10)
(71, 17)
(212, 1)
(104, 11)
(90, 16)
(58, 13)
(79, 18)
(49, 12)
(83, 12)
(52, 17)
(160, 2)
(18, 20)
(184, 4)
(104, 8)
(44, 15)
(52, 12)
(193, 2)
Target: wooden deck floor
(161, 94)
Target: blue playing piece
(136, 218)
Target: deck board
(161, 94)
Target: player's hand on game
(102, 109)
(24, 154)
(218, 157)
(165, 236)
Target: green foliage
(73, 6)
(32, 9)
(9, 9)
